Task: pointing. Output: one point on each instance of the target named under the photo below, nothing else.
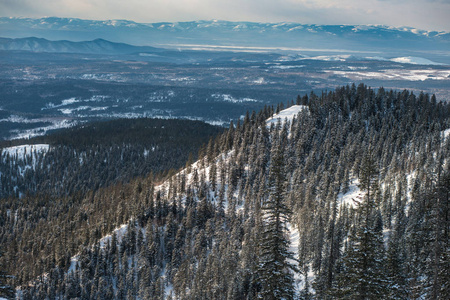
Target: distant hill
(97, 46)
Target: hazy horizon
(224, 20)
(431, 15)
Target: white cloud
(424, 14)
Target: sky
(421, 14)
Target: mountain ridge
(96, 46)
(197, 234)
(77, 22)
(219, 32)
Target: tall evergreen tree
(6, 290)
(439, 221)
(363, 275)
(276, 260)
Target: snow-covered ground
(285, 67)
(343, 57)
(294, 238)
(395, 74)
(120, 233)
(287, 114)
(30, 153)
(68, 111)
(414, 60)
(229, 98)
(25, 150)
(445, 134)
(352, 196)
(42, 130)
(73, 100)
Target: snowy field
(395, 74)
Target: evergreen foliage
(222, 228)
(6, 290)
(99, 154)
(363, 263)
(276, 270)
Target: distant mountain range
(97, 46)
(225, 33)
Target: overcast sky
(422, 14)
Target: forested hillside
(99, 154)
(347, 200)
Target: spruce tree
(6, 290)
(276, 268)
(363, 275)
(439, 224)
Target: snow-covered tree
(363, 264)
(276, 260)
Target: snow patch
(330, 57)
(68, 111)
(74, 263)
(25, 150)
(120, 232)
(395, 74)
(259, 80)
(29, 133)
(294, 238)
(287, 114)
(229, 98)
(285, 67)
(445, 134)
(65, 102)
(73, 100)
(19, 119)
(410, 179)
(414, 60)
(352, 196)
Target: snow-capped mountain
(214, 32)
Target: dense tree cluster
(99, 154)
(222, 228)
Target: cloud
(423, 14)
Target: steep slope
(201, 233)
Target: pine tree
(363, 275)
(6, 290)
(439, 222)
(275, 263)
(396, 258)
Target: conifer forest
(342, 194)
